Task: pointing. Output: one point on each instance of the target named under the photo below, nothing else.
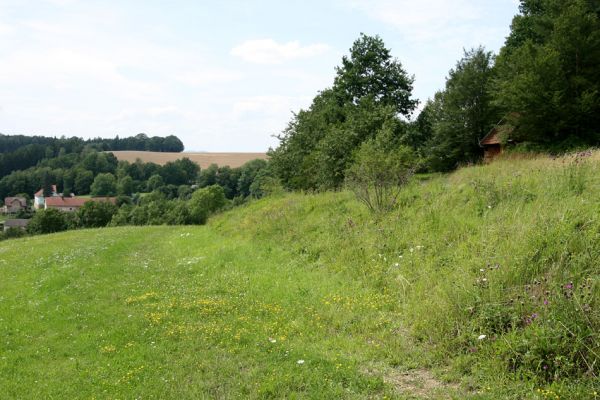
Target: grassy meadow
(484, 284)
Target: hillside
(483, 285)
(233, 160)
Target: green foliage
(96, 214)
(460, 115)
(155, 182)
(248, 174)
(12, 233)
(206, 201)
(547, 71)
(179, 172)
(125, 186)
(104, 185)
(371, 72)
(83, 181)
(505, 252)
(46, 184)
(369, 93)
(378, 175)
(48, 221)
(179, 214)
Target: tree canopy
(370, 92)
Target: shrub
(96, 214)
(378, 175)
(48, 221)
(206, 201)
(12, 233)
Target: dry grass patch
(233, 160)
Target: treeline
(192, 207)
(18, 152)
(177, 193)
(101, 174)
(544, 83)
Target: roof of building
(504, 127)
(491, 138)
(76, 201)
(40, 192)
(10, 200)
(16, 223)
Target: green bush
(95, 214)
(206, 201)
(49, 221)
(378, 175)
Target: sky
(221, 75)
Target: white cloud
(268, 51)
(427, 20)
(270, 105)
(208, 76)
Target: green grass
(376, 307)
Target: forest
(544, 82)
(19, 152)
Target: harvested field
(233, 160)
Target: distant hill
(233, 160)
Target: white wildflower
(272, 340)
(300, 362)
(481, 337)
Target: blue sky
(223, 76)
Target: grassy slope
(229, 309)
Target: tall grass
(489, 277)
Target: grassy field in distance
(233, 160)
(483, 285)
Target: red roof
(66, 201)
(40, 192)
(76, 201)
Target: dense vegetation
(483, 285)
(178, 193)
(545, 83)
(18, 152)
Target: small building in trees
(12, 205)
(15, 224)
(498, 137)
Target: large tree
(371, 71)
(370, 91)
(461, 114)
(548, 71)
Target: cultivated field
(484, 285)
(233, 160)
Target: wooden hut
(493, 143)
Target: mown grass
(310, 296)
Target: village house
(39, 199)
(15, 223)
(13, 205)
(71, 204)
